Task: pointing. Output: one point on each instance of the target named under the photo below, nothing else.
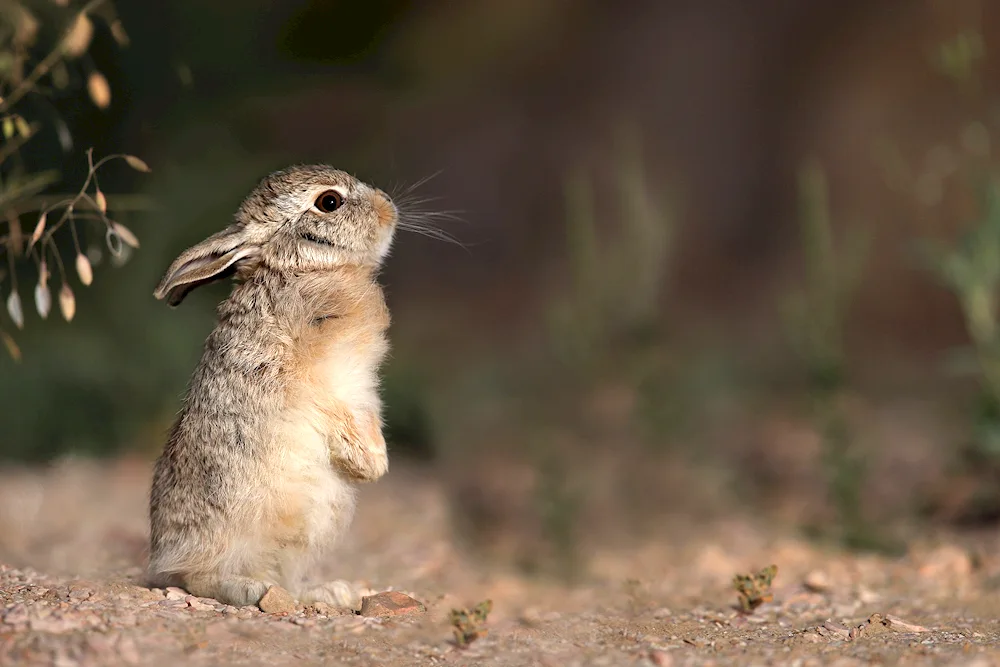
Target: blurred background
(713, 257)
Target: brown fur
(282, 416)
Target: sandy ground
(73, 540)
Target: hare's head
(305, 218)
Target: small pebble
(817, 581)
(390, 603)
(172, 604)
(198, 604)
(79, 593)
(277, 601)
(176, 594)
(661, 658)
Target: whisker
(418, 217)
(396, 194)
(437, 235)
(414, 205)
(432, 215)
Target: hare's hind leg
(337, 593)
(235, 590)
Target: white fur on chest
(347, 370)
(316, 503)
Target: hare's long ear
(214, 259)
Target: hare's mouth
(312, 238)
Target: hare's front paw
(378, 465)
(357, 446)
(338, 593)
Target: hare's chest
(346, 371)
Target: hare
(282, 418)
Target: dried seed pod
(126, 234)
(15, 310)
(101, 201)
(118, 32)
(77, 40)
(67, 302)
(99, 90)
(39, 229)
(84, 270)
(43, 299)
(22, 126)
(137, 164)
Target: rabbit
(282, 418)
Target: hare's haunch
(282, 417)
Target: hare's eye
(329, 201)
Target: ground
(73, 540)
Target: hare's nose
(384, 209)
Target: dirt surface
(73, 541)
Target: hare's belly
(310, 504)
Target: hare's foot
(234, 590)
(337, 593)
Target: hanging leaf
(67, 302)
(84, 270)
(43, 299)
(15, 310)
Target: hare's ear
(214, 259)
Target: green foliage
(559, 501)
(119, 370)
(960, 57)
(969, 266)
(470, 625)
(971, 270)
(816, 318)
(407, 415)
(815, 315)
(753, 590)
(33, 216)
(617, 282)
